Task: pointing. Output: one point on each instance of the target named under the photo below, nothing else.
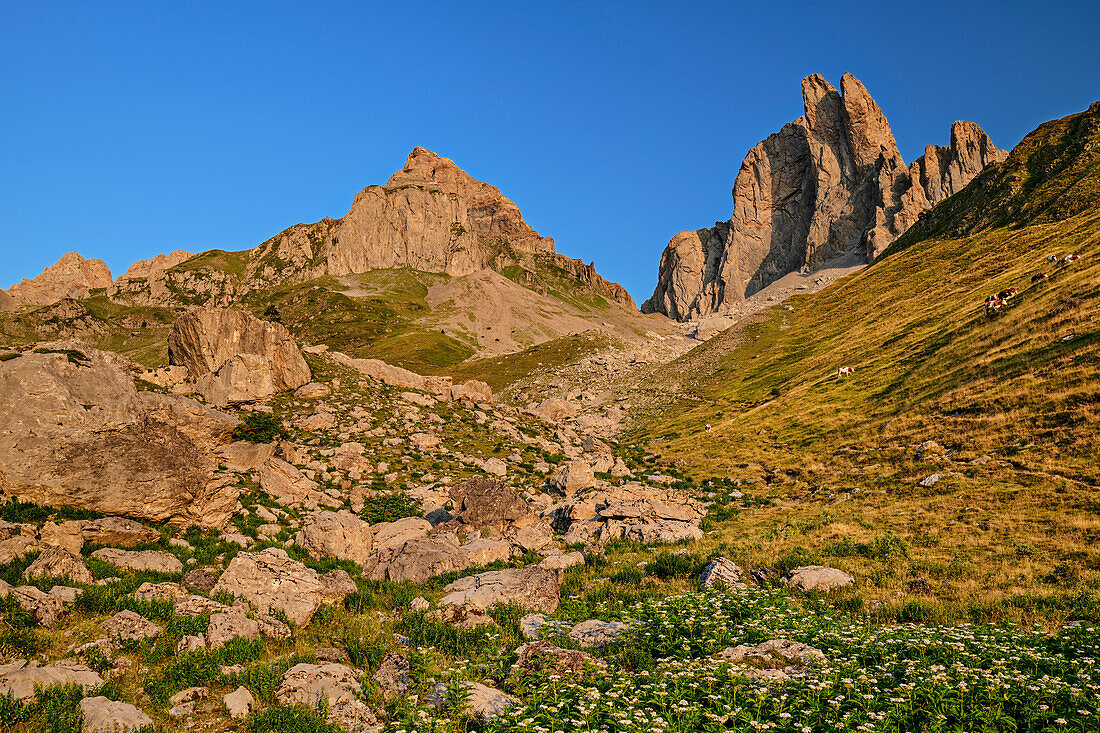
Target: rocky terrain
(830, 183)
(267, 526)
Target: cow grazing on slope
(845, 371)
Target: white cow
(845, 371)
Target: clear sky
(129, 129)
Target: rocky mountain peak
(831, 183)
(72, 276)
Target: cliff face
(71, 277)
(828, 184)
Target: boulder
(337, 585)
(472, 391)
(542, 657)
(533, 588)
(243, 456)
(108, 716)
(45, 609)
(417, 560)
(67, 535)
(243, 378)
(341, 535)
(57, 562)
(20, 681)
(775, 650)
(336, 684)
(271, 579)
(313, 391)
(482, 502)
(287, 485)
(137, 560)
(130, 626)
(818, 578)
(486, 552)
(205, 339)
(572, 477)
(200, 580)
(395, 376)
(238, 703)
(721, 571)
(392, 676)
(83, 436)
(228, 625)
(597, 633)
(554, 410)
(561, 562)
(488, 702)
(118, 532)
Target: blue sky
(130, 129)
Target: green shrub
(297, 719)
(668, 565)
(259, 427)
(389, 507)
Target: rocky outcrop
(74, 431)
(632, 511)
(831, 183)
(151, 268)
(234, 356)
(395, 376)
(71, 277)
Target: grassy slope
(842, 457)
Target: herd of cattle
(994, 303)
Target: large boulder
(534, 588)
(20, 679)
(129, 626)
(341, 535)
(75, 431)
(482, 502)
(108, 716)
(117, 532)
(205, 339)
(57, 562)
(417, 560)
(136, 560)
(572, 477)
(818, 578)
(287, 485)
(332, 686)
(243, 378)
(271, 579)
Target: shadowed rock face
(830, 183)
(74, 431)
